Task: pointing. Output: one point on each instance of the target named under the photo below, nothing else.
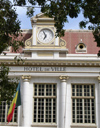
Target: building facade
(60, 78)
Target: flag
(15, 103)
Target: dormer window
(81, 48)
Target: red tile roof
(74, 37)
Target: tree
(7, 85)
(9, 31)
(61, 9)
(9, 26)
(58, 9)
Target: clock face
(45, 35)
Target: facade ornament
(64, 78)
(99, 79)
(62, 43)
(28, 42)
(26, 78)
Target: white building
(60, 78)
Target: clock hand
(44, 32)
(45, 35)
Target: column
(98, 102)
(57, 41)
(34, 34)
(26, 102)
(62, 110)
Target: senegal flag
(15, 103)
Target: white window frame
(45, 97)
(3, 120)
(90, 97)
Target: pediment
(41, 15)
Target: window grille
(83, 103)
(44, 103)
(4, 108)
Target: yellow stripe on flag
(14, 101)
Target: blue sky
(26, 23)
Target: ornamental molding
(70, 63)
(99, 79)
(28, 42)
(62, 43)
(64, 78)
(26, 78)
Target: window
(44, 103)
(83, 104)
(4, 107)
(81, 48)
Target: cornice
(77, 30)
(70, 60)
(59, 62)
(45, 49)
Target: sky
(26, 23)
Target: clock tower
(43, 41)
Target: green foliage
(61, 9)
(9, 25)
(30, 11)
(18, 60)
(58, 9)
(7, 85)
(9, 31)
(16, 44)
(91, 12)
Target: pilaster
(98, 102)
(63, 93)
(99, 79)
(34, 34)
(26, 103)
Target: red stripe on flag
(9, 117)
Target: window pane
(86, 90)
(92, 90)
(73, 90)
(4, 108)
(87, 110)
(79, 112)
(48, 89)
(93, 110)
(83, 108)
(40, 110)
(44, 107)
(79, 90)
(48, 110)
